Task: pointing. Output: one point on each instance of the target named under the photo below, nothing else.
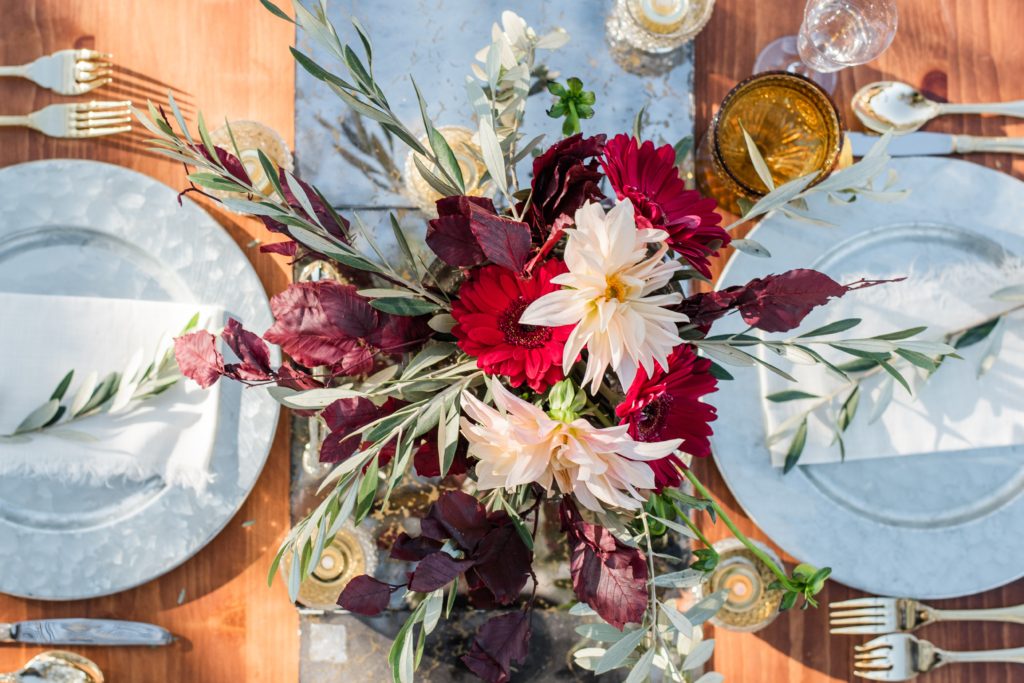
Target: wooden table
(231, 58)
(961, 50)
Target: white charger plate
(85, 228)
(926, 526)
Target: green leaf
(796, 447)
(270, 170)
(832, 328)
(638, 123)
(62, 386)
(877, 356)
(918, 359)
(367, 491)
(859, 365)
(1011, 293)
(720, 373)
(213, 181)
(901, 334)
(642, 669)
(751, 247)
(39, 417)
(400, 305)
(760, 166)
(557, 89)
(603, 633)
(896, 375)
(276, 11)
(849, 409)
(618, 652)
(789, 395)
(975, 334)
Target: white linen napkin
(954, 409)
(42, 337)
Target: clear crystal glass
(836, 34)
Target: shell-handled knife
(84, 632)
(929, 144)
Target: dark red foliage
(776, 303)
(366, 595)
(436, 570)
(232, 163)
(289, 248)
(293, 377)
(494, 559)
(500, 642)
(343, 417)
(327, 323)
(428, 464)
(198, 357)
(607, 575)
(468, 232)
(563, 181)
(251, 350)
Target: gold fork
(85, 120)
(68, 72)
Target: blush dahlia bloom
(488, 328)
(649, 178)
(608, 294)
(519, 443)
(668, 405)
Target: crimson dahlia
(667, 405)
(488, 328)
(648, 177)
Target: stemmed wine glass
(834, 34)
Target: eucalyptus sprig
(790, 199)
(115, 393)
(905, 356)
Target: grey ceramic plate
(927, 526)
(90, 229)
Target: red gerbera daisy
(488, 328)
(648, 177)
(667, 405)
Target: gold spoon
(56, 666)
(899, 107)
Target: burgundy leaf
(462, 516)
(503, 563)
(292, 377)
(607, 575)
(250, 349)
(502, 640)
(366, 595)
(198, 357)
(323, 323)
(428, 464)
(343, 417)
(775, 303)
(337, 227)
(232, 163)
(778, 303)
(504, 241)
(400, 334)
(287, 248)
(412, 549)
(436, 570)
(450, 236)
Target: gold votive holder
(468, 155)
(251, 136)
(793, 122)
(659, 26)
(349, 555)
(750, 604)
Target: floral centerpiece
(539, 348)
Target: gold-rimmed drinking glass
(792, 120)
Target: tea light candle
(664, 16)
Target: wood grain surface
(231, 58)
(955, 50)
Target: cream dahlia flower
(607, 294)
(518, 443)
